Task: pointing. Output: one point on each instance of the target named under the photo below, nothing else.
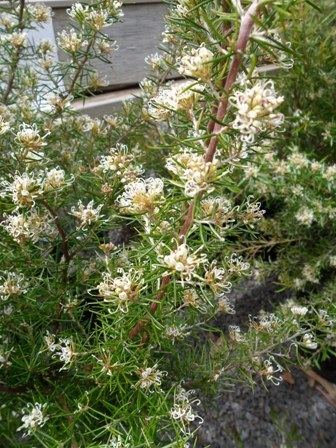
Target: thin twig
(243, 37)
(62, 234)
(81, 65)
(16, 57)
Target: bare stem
(62, 234)
(82, 64)
(12, 389)
(16, 57)
(243, 37)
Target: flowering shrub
(122, 236)
(296, 182)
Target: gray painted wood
(138, 36)
(105, 103)
(67, 3)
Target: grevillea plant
(121, 237)
(296, 182)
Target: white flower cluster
(58, 102)
(236, 265)
(305, 216)
(120, 290)
(12, 284)
(5, 354)
(31, 226)
(225, 306)
(33, 417)
(28, 136)
(256, 110)
(235, 334)
(26, 187)
(196, 63)
(40, 12)
(299, 310)
(308, 341)
(215, 278)
(176, 332)
(182, 262)
(156, 61)
(182, 409)
(120, 161)
(149, 377)
(270, 369)
(116, 442)
(191, 298)
(86, 214)
(169, 99)
(63, 349)
(94, 17)
(5, 119)
(141, 196)
(18, 39)
(217, 210)
(4, 125)
(192, 169)
(265, 322)
(70, 41)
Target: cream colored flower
(12, 284)
(53, 179)
(70, 41)
(33, 417)
(308, 341)
(31, 226)
(24, 189)
(182, 262)
(122, 289)
(256, 110)
(172, 98)
(29, 137)
(149, 377)
(141, 196)
(196, 63)
(86, 214)
(305, 216)
(41, 13)
(195, 173)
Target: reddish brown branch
(62, 234)
(12, 389)
(243, 37)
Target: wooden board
(138, 36)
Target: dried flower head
(12, 284)
(149, 377)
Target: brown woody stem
(243, 38)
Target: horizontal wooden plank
(68, 3)
(105, 103)
(137, 36)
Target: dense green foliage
(122, 237)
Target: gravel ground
(286, 416)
